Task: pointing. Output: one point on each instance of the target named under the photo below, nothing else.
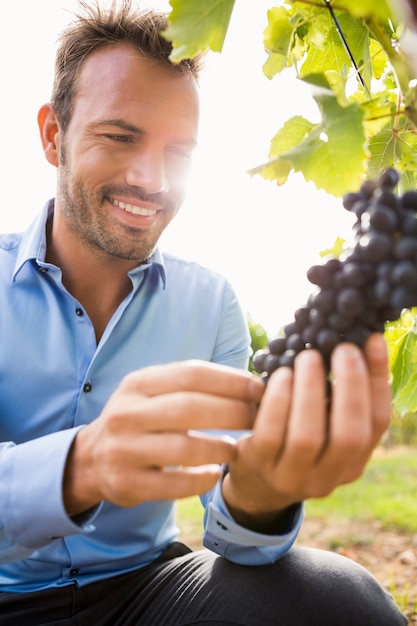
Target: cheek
(93, 161)
(178, 175)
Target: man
(126, 358)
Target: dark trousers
(305, 588)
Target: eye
(119, 138)
(180, 152)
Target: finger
(177, 449)
(351, 398)
(307, 430)
(376, 354)
(365, 426)
(160, 484)
(196, 479)
(178, 411)
(350, 419)
(272, 417)
(194, 375)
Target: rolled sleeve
(32, 512)
(240, 545)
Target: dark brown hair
(95, 28)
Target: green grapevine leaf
(197, 26)
(394, 145)
(379, 59)
(278, 40)
(306, 36)
(319, 150)
(363, 8)
(336, 250)
(332, 54)
(294, 131)
(289, 33)
(379, 113)
(274, 64)
(401, 338)
(279, 32)
(332, 168)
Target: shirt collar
(33, 248)
(33, 244)
(156, 261)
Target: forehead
(119, 82)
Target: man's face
(125, 155)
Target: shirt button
(222, 526)
(87, 387)
(79, 312)
(74, 571)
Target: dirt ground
(390, 556)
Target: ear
(49, 131)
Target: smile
(132, 208)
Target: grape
(386, 197)
(357, 334)
(350, 300)
(405, 248)
(375, 246)
(355, 274)
(324, 300)
(327, 340)
(341, 321)
(404, 274)
(401, 297)
(287, 359)
(380, 293)
(316, 319)
(309, 336)
(389, 179)
(383, 218)
(350, 200)
(409, 225)
(277, 345)
(369, 285)
(320, 275)
(295, 342)
(301, 316)
(409, 200)
(271, 363)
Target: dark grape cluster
(370, 284)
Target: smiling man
(122, 164)
(117, 359)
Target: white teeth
(136, 210)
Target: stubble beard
(88, 219)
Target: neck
(98, 281)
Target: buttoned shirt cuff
(31, 498)
(240, 545)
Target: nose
(147, 170)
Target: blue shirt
(54, 379)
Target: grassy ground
(387, 493)
(373, 521)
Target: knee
(337, 590)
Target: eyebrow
(123, 125)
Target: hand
(299, 448)
(145, 445)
